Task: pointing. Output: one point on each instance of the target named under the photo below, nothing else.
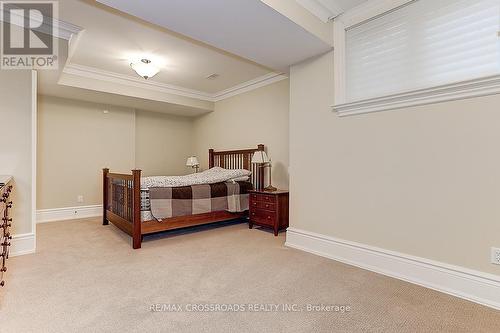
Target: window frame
(371, 9)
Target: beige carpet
(86, 278)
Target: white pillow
(240, 179)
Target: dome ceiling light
(144, 68)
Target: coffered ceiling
(247, 43)
(52, 83)
(112, 39)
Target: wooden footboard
(122, 203)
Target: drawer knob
(268, 217)
(2, 283)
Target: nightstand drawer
(263, 197)
(267, 198)
(263, 205)
(263, 216)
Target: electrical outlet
(495, 255)
(79, 198)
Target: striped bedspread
(168, 202)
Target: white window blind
(424, 44)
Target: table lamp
(262, 160)
(193, 163)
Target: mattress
(158, 203)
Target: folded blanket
(211, 176)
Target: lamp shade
(192, 161)
(259, 157)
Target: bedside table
(269, 209)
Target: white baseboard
(22, 244)
(67, 213)
(475, 286)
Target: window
(421, 52)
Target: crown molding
(324, 10)
(61, 29)
(133, 81)
(261, 81)
(327, 10)
(67, 30)
(368, 10)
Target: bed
(128, 206)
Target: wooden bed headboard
(238, 159)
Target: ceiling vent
(212, 76)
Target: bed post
(105, 172)
(136, 223)
(260, 181)
(210, 158)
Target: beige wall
(75, 141)
(244, 121)
(163, 143)
(423, 181)
(16, 148)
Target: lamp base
(270, 188)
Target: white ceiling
(248, 28)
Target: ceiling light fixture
(144, 68)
